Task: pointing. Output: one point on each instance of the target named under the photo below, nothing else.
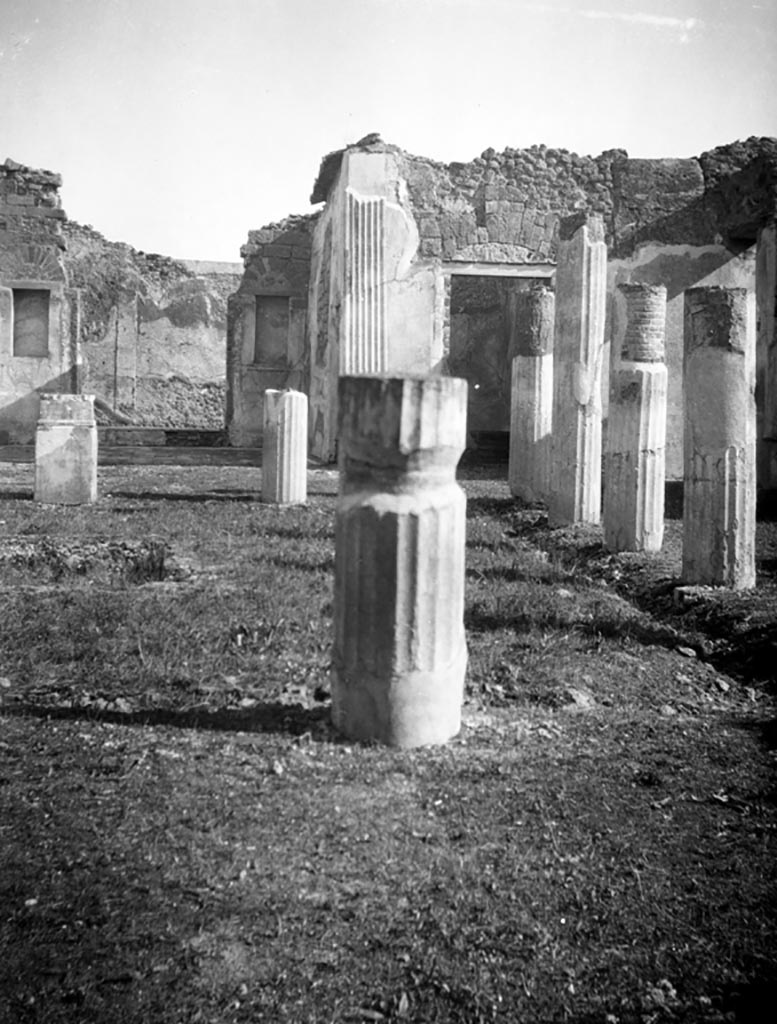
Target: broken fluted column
(635, 451)
(719, 483)
(285, 447)
(531, 395)
(399, 651)
(578, 344)
(66, 450)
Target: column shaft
(635, 449)
(399, 651)
(531, 395)
(719, 482)
(285, 447)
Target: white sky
(177, 125)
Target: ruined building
(414, 266)
(144, 333)
(38, 312)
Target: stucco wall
(276, 264)
(325, 307)
(153, 331)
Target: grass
(183, 838)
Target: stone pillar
(531, 395)
(635, 450)
(285, 447)
(581, 281)
(66, 450)
(719, 483)
(399, 654)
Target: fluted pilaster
(365, 349)
(581, 279)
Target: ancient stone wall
(505, 207)
(266, 347)
(678, 222)
(38, 313)
(675, 222)
(153, 332)
(31, 218)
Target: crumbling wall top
(30, 223)
(506, 206)
(330, 165)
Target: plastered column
(66, 450)
(766, 356)
(719, 406)
(635, 449)
(399, 650)
(581, 281)
(285, 447)
(531, 395)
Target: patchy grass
(184, 839)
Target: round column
(285, 447)
(531, 395)
(635, 447)
(719, 406)
(399, 649)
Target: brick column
(285, 447)
(581, 281)
(531, 395)
(719, 485)
(399, 649)
(635, 449)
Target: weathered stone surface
(152, 331)
(518, 196)
(766, 361)
(581, 279)
(399, 654)
(635, 448)
(285, 447)
(66, 450)
(531, 412)
(38, 312)
(719, 486)
(365, 344)
(277, 266)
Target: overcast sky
(177, 125)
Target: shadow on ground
(272, 717)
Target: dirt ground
(184, 838)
